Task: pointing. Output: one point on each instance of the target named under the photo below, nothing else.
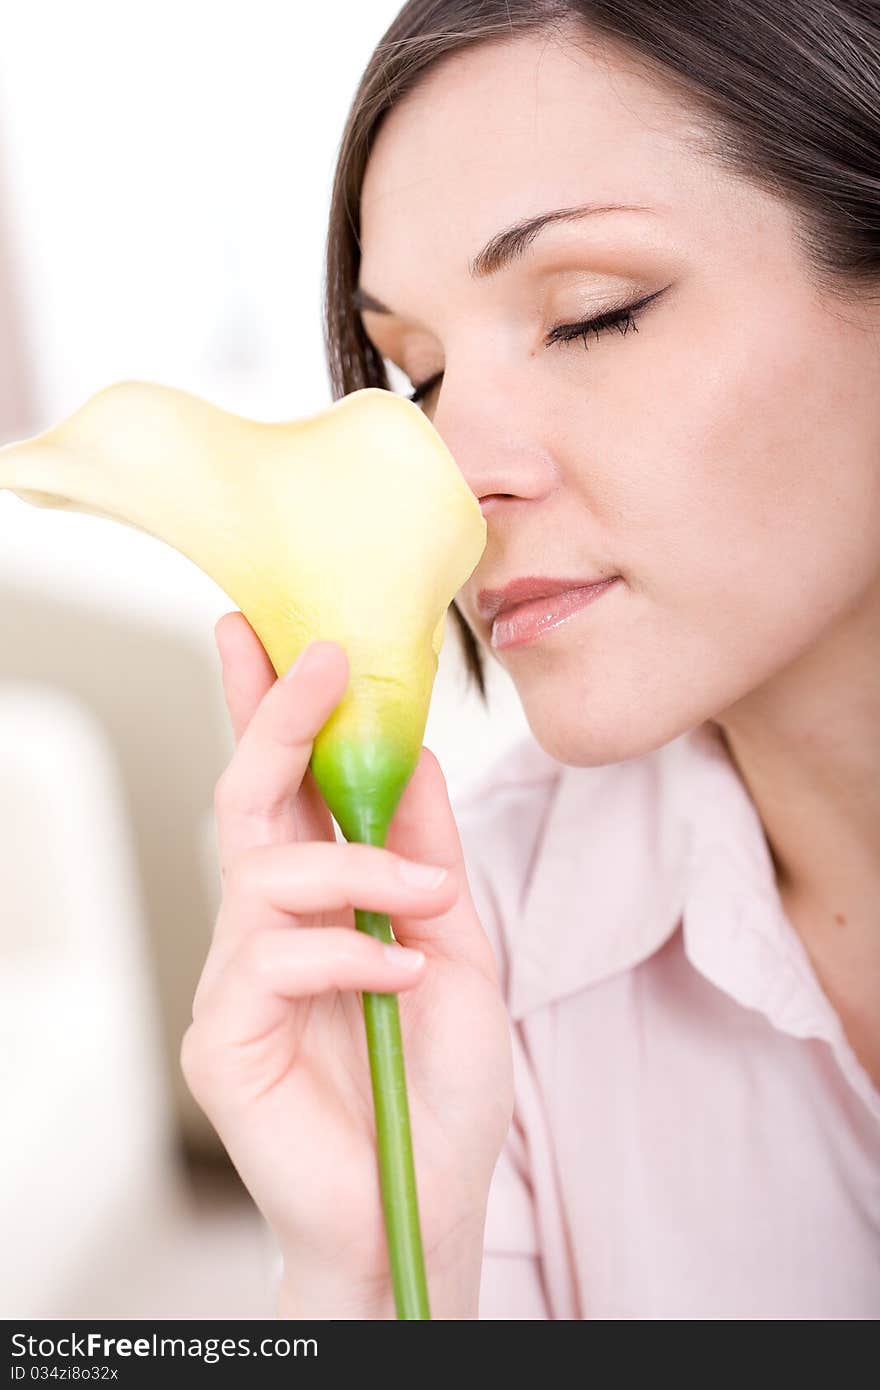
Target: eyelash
(623, 319)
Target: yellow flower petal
(353, 525)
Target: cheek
(753, 476)
(741, 501)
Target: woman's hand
(276, 1054)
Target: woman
(669, 383)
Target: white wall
(171, 165)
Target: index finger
(267, 794)
(247, 671)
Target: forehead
(503, 130)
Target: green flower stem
(397, 1175)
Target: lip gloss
(528, 621)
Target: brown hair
(789, 91)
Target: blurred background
(165, 175)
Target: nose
(495, 446)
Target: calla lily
(353, 525)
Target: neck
(807, 746)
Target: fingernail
(302, 661)
(420, 875)
(403, 956)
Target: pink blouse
(693, 1136)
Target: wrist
(297, 1303)
(453, 1266)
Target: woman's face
(722, 456)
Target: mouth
(491, 602)
(516, 624)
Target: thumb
(423, 828)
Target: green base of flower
(362, 783)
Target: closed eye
(623, 319)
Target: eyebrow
(505, 247)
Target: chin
(594, 737)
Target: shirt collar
(629, 852)
(607, 885)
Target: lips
(491, 602)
